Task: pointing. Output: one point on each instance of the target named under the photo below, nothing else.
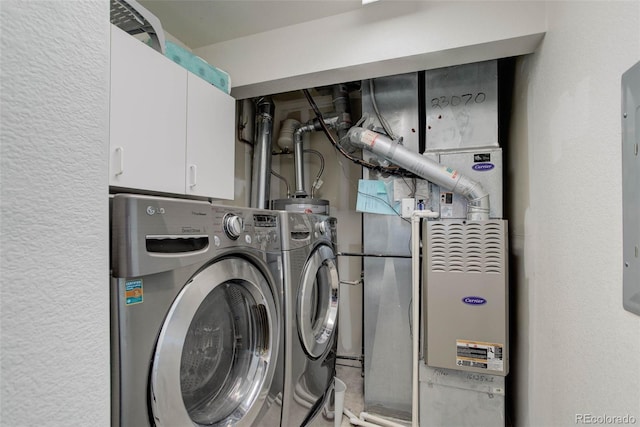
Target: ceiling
(203, 22)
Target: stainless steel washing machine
(311, 314)
(196, 314)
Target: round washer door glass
(318, 301)
(215, 349)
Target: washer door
(216, 352)
(318, 301)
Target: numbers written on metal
(455, 100)
(480, 378)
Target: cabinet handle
(194, 175)
(120, 153)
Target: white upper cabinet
(210, 140)
(170, 131)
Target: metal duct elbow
(443, 176)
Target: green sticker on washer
(133, 292)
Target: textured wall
(577, 351)
(54, 352)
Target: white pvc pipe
(357, 421)
(416, 216)
(379, 420)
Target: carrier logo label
(474, 300)
(481, 167)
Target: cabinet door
(210, 140)
(148, 117)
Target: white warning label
(482, 355)
(369, 137)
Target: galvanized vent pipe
(340, 120)
(298, 149)
(342, 107)
(261, 176)
(445, 177)
(298, 158)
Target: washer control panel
(266, 227)
(233, 225)
(246, 227)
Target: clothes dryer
(195, 314)
(311, 314)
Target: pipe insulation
(443, 176)
(261, 176)
(285, 140)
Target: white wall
(577, 351)
(380, 39)
(54, 352)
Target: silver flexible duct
(443, 176)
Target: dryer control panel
(300, 229)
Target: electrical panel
(631, 189)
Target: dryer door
(318, 301)
(216, 352)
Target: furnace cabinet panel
(465, 291)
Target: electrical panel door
(631, 189)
